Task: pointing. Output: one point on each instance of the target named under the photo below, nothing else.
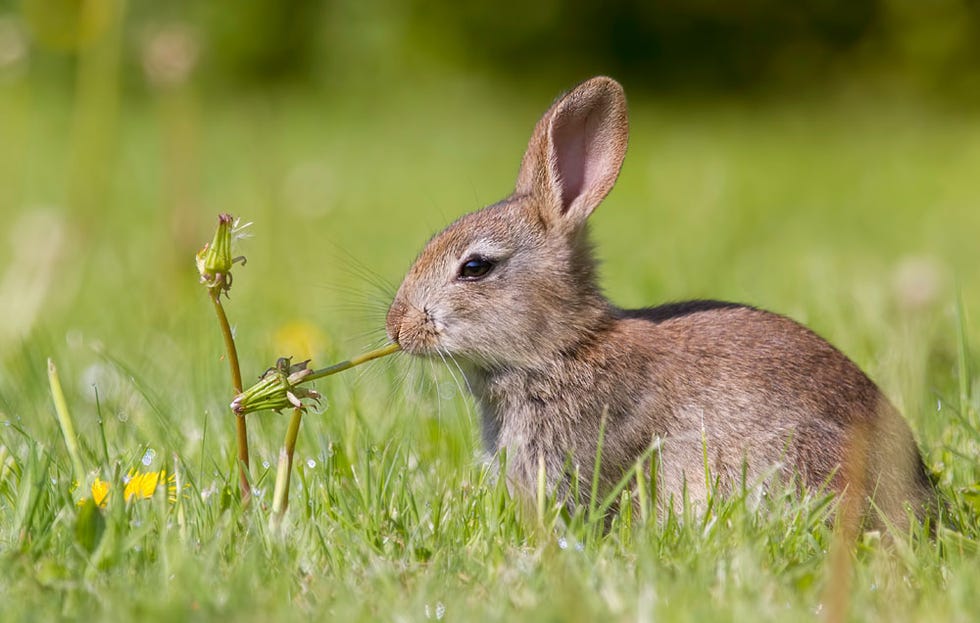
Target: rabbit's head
(514, 283)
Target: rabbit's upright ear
(575, 153)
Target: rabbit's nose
(394, 320)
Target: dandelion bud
(214, 261)
(277, 389)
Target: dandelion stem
(280, 498)
(354, 361)
(64, 420)
(236, 379)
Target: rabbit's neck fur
(554, 409)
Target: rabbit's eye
(474, 268)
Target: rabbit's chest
(539, 412)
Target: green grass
(816, 210)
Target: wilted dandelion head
(169, 55)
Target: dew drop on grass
(562, 543)
(148, 456)
(439, 611)
(310, 463)
(265, 464)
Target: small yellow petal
(143, 485)
(100, 491)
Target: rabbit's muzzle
(411, 328)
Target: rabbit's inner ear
(586, 146)
(569, 141)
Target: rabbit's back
(764, 398)
(764, 395)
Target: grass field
(858, 217)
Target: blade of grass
(64, 421)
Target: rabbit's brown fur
(548, 358)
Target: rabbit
(510, 293)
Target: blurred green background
(818, 158)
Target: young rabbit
(509, 292)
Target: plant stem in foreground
(236, 379)
(64, 421)
(354, 361)
(280, 497)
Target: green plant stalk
(280, 496)
(641, 492)
(96, 108)
(354, 361)
(542, 491)
(596, 468)
(64, 421)
(236, 379)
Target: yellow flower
(100, 491)
(141, 485)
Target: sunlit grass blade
(65, 422)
